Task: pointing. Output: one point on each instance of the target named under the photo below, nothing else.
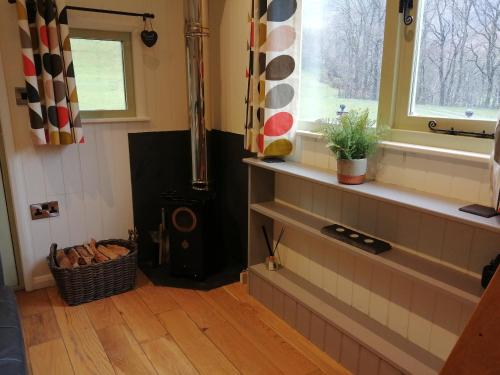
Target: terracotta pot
(352, 172)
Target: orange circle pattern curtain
(273, 77)
(48, 69)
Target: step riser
(353, 355)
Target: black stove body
(190, 222)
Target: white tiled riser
(327, 337)
(425, 317)
(464, 180)
(92, 184)
(464, 247)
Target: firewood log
(93, 245)
(110, 254)
(73, 258)
(119, 250)
(99, 257)
(85, 256)
(62, 259)
(89, 249)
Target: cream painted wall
(229, 60)
(91, 181)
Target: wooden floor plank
(217, 332)
(157, 298)
(196, 307)
(124, 352)
(85, 351)
(272, 345)
(40, 328)
(167, 357)
(318, 357)
(31, 303)
(138, 317)
(50, 358)
(201, 351)
(103, 313)
(240, 351)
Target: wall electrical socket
(21, 96)
(44, 210)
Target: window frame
(407, 61)
(128, 71)
(395, 94)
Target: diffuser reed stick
(279, 240)
(269, 248)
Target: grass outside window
(104, 73)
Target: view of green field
(99, 74)
(319, 100)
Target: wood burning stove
(191, 234)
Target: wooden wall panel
(389, 298)
(333, 342)
(303, 324)
(386, 369)
(368, 362)
(290, 311)
(422, 309)
(336, 343)
(278, 306)
(318, 328)
(349, 354)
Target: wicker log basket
(97, 280)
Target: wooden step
(365, 331)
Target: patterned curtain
(48, 70)
(273, 76)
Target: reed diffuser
(273, 261)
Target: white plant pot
(352, 172)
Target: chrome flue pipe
(196, 33)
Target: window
(457, 74)
(445, 66)
(341, 57)
(103, 69)
(450, 68)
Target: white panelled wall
(426, 317)
(449, 177)
(92, 184)
(91, 181)
(429, 319)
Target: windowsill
(418, 149)
(115, 120)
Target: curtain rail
(107, 11)
(433, 127)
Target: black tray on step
(362, 241)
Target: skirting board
(43, 281)
(335, 341)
